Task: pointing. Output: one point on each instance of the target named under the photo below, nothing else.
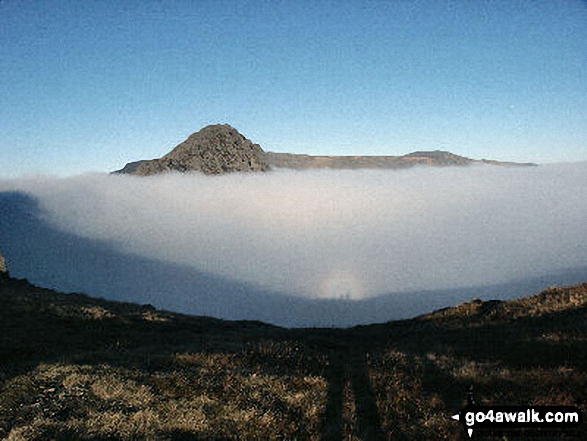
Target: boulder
(3, 266)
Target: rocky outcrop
(3, 267)
(215, 149)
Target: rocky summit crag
(215, 149)
(220, 148)
(3, 266)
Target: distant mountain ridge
(220, 148)
(437, 158)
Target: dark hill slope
(74, 367)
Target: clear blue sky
(91, 85)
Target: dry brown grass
(73, 367)
(408, 410)
(216, 394)
(349, 413)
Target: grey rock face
(3, 267)
(215, 149)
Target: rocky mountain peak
(216, 149)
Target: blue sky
(89, 86)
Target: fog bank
(328, 234)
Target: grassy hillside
(74, 367)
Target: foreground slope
(74, 367)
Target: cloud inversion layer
(331, 234)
